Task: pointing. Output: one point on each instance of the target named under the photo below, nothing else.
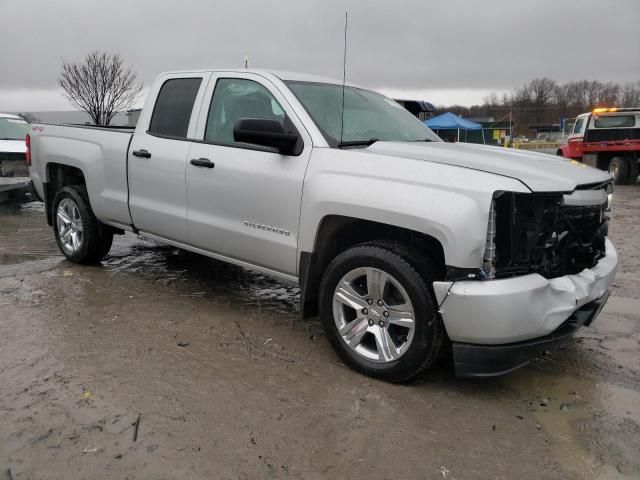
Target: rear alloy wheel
(619, 170)
(79, 234)
(378, 310)
(69, 226)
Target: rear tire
(379, 312)
(619, 170)
(79, 234)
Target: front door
(576, 137)
(244, 201)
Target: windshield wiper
(422, 140)
(358, 143)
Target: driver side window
(578, 127)
(236, 98)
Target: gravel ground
(162, 364)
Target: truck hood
(12, 146)
(538, 171)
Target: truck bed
(98, 152)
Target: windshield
(367, 115)
(13, 128)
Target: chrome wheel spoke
(401, 315)
(75, 240)
(64, 236)
(376, 281)
(63, 217)
(387, 350)
(353, 331)
(347, 295)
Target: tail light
(27, 155)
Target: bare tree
(100, 85)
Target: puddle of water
(25, 236)
(594, 425)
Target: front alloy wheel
(378, 309)
(373, 314)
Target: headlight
(489, 258)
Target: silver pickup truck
(408, 247)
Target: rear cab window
(174, 104)
(615, 121)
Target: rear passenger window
(174, 104)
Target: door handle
(142, 153)
(202, 162)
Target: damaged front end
(550, 234)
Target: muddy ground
(162, 364)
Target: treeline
(544, 101)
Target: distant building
(418, 108)
(548, 132)
(482, 119)
(493, 132)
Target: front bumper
(520, 309)
(493, 360)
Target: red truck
(608, 139)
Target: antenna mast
(344, 72)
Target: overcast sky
(447, 52)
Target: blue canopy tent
(450, 121)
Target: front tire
(79, 234)
(379, 312)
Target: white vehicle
(404, 243)
(13, 130)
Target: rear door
(246, 204)
(158, 156)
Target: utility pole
(510, 128)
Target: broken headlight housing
(489, 257)
(551, 234)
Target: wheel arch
(59, 175)
(337, 233)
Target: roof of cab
(282, 75)
(10, 115)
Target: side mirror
(267, 133)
